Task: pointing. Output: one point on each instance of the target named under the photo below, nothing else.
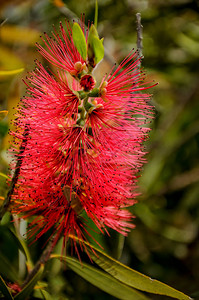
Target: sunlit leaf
(25, 292)
(4, 289)
(133, 278)
(8, 60)
(92, 32)
(102, 280)
(10, 72)
(79, 40)
(1, 200)
(18, 34)
(3, 175)
(3, 114)
(98, 49)
(95, 46)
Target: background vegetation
(164, 244)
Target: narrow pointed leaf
(133, 278)
(4, 289)
(30, 286)
(102, 280)
(11, 72)
(79, 40)
(92, 32)
(3, 175)
(13, 34)
(22, 246)
(3, 114)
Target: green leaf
(79, 40)
(98, 49)
(6, 218)
(7, 269)
(30, 286)
(1, 174)
(4, 289)
(130, 276)
(95, 46)
(23, 247)
(102, 280)
(45, 294)
(133, 278)
(10, 72)
(3, 114)
(92, 32)
(14, 34)
(9, 61)
(118, 246)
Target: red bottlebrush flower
(61, 51)
(85, 144)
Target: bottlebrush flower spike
(85, 144)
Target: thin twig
(16, 173)
(139, 34)
(67, 12)
(3, 22)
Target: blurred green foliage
(165, 243)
